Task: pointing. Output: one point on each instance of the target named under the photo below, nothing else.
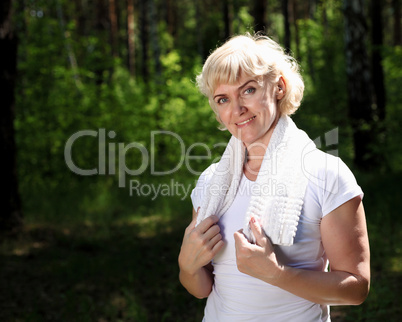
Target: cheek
(224, 115)
(268, 105)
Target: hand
(200, 244)
(257, 260)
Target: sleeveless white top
(239, 297)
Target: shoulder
(202, 182)
(207, 174)
(330, 180)
(325, 170)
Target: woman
(274, 211)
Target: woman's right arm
(199, 247)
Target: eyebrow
(239, 88)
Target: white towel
(281, 181)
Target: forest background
(86, 247)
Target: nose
(238, 107)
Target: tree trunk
(285, 12)
(260, 7)
(227, 20)
(153, 24)
(144, 40)
(295, 18)
(376, 58)
(396, 6)
(324, 18)
(312, 8)
(236, 19)
(359, 86)
(102, 28)
(131, 37)
(67, 44)
(114, 30)
(171, 17)
(310, 14)
(80, 18)
(199, 20)
(11, 214)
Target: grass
(124, 267)
(90, 273)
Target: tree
(260, 7)
(153, 35)
(396, 6)
(10, 200)
(285, 11)
(227, 19)
(171, 16)
(114, 32)
(144, 40)
(102, 27)
(376, 58)
(67, 44)
(312, 8)
(359, 85)
(199, 19)
(296, 27)
(81, 19)
(131, 37)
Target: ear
(280, 88)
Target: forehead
(240, 82)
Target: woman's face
(248, 109)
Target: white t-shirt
(239, 297)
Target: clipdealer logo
(112, 161)
(112, 157)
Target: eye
(250, 90)
(222, 100)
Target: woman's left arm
(345, 240)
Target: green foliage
(244, 22)
(393, 82)
(127, 272)
(323, 68)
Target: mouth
(247, 121)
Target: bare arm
(200, 245)
(345, 240)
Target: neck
(257, 149)
(255, 153)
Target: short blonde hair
(255, 56)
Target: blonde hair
(256, 56)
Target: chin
(247, 140)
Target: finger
(195, 213)
(214, 240)
(192, 224)
(212, 232)
(257, 231)
(239, 238)
(207, 223)
(218, 246)
(190, 227)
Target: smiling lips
(246, 121)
